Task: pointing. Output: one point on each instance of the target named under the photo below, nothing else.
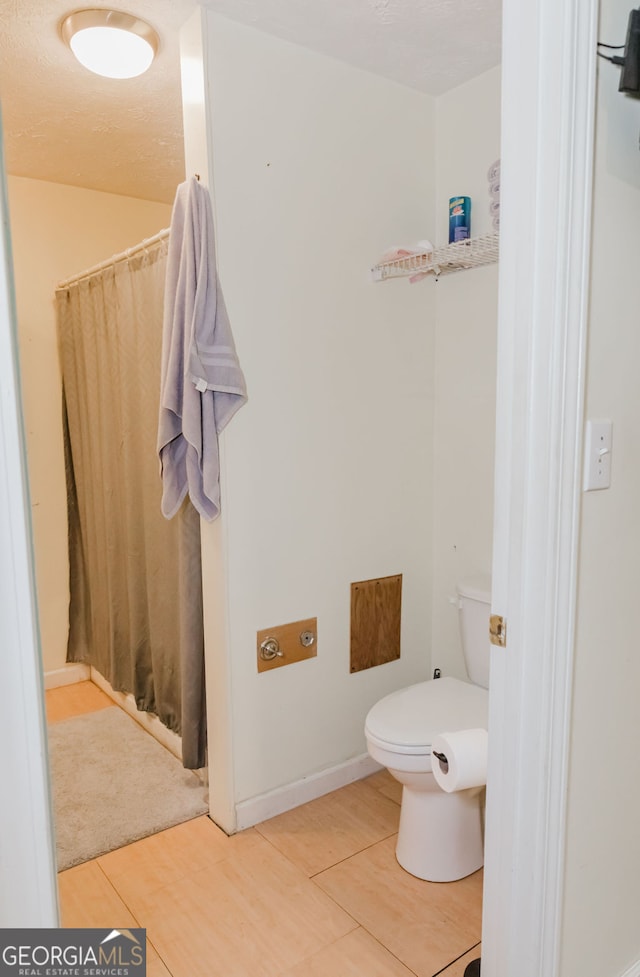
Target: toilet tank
(474, 603)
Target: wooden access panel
(376, 607)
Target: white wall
(601, 935)
(467, 143)
(317, 168)
(57, 231)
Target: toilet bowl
(440, 837)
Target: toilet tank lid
(477, 587)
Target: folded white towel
(202, 383)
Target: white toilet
(440, 838)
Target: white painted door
(28, 890)
(546, 174)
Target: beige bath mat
(112, 784)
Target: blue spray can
(459, 218)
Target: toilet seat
(406, 722)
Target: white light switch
(597, 456)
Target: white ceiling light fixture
(110, 42)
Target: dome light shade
(110, 43)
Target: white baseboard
(170, 740)
(67, 675)
(282, 799)
(633, 971)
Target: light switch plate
(597, 455)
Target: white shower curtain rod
(129, 253)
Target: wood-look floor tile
(425, 924)
(458, 968)
(354, 955)
(155, 966)
(78, 699)
(253, 914)
(331, 828)
(386, 784)
(87, 898)
(141, 869)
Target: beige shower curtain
(136, 591)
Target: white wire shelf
(445, 260)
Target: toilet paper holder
(442, 758)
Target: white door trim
(199, 158)
(28, 893)
(547, 157)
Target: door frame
(28, 894)
(548, 120)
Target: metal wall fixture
(270, 649)
(286, 644)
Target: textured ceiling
(67, 125)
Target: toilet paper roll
(494, 170)
(466, 763)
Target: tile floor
(315, 892)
